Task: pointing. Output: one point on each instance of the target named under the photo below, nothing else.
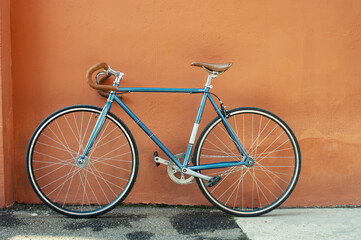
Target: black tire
(88, 188)
(256, 190)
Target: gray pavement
(123, 222)
(305, 224)
(38, 222)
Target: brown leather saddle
(212, 67)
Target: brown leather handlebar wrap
(100, 81)
(92, 84)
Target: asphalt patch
(139, 235)
(7, 219)
(202, 221)
(98, 224)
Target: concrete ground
(154, 222)
(305, 224)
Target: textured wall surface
(298, 59)
(7, 190)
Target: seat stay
(229, 129)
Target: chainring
(176, 175)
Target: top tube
(170, 90)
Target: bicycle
(82, 160)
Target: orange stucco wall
(7, 190)
(298, 59)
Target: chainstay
(226, 173)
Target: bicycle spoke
(46, 155)
(61, 132)
(125, 144)
(67, 192)
(274, 181)
(114, 166)
(59, 142)
(101, 188)
(77, 191)
(239, 181)
(265, 188)
(40, 177)
(274, 151)
(227, 134)
(273, 172)
(214, 150)
(45, 186)
(110, 175)
(61, 185)
(241, 177)
(51, 146)
(104, 137)
(71, 129)
(85, 194)
(256, 141)
(112, 140)
(228, 154)
(258, 190)
(265, 139)
(91, 189)
(258, 137)
(81, 147)
(259, 160)
(51, 164)
(105, 180)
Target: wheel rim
(258, 189)
(81, 186)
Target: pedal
(155, 158)
(213, 181)
(158, 160)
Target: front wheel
(254, 190)
(88, 187)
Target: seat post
(209, 79)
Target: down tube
(148, 132)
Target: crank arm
(196, 174)
(158, 160)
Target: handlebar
(96, 67)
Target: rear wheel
(249, 191)
(81, 188)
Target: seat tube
(198, 119)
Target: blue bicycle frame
(183, 166)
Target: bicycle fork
(96, 130)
